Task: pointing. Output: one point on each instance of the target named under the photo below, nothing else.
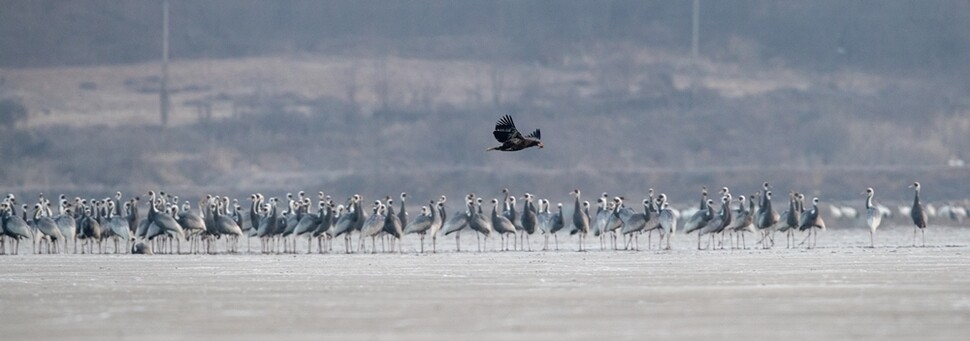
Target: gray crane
(347, 222)
(719, 221)
(788, 221)
(373, 226)
(422, 223)
(193, 224)
(402, 215)
(544, 222)
(438, 215)
(340, 225)
(557, 222)
(15, 226)
(811, 220)
(918, 214)
(633, 222)
(501, 225)
(667, 218)
(601, 219)
(512, 214)
(118, 225)
(308, 223)
(166, 223)
(743, 221)
(459, 222)
(48, 228)
(66, 223)
(478, 223)
(613, 223)
(767, 218)
(90, 229)
(267, 225)
(393, 226)
(528, 219)
(700, 218)
(580, 219)
(873, 216)
(226, 226)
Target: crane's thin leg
(515, 241)
(915, 231)
(649, 239)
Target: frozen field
(837, 291)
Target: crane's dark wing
(505, 129)
(536, 134)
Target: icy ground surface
(840, 290)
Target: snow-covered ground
(839, 290)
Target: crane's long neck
(703, 200)
(916, 197)
(869, 201)
(118, 204)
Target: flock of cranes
(87, 225)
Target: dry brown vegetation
(323, 122)
(408, 103)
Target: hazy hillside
(380, 97)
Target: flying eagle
(512, 140)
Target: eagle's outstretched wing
(505, 130)
(536, 134)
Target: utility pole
(695, 36)
(163, 93)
